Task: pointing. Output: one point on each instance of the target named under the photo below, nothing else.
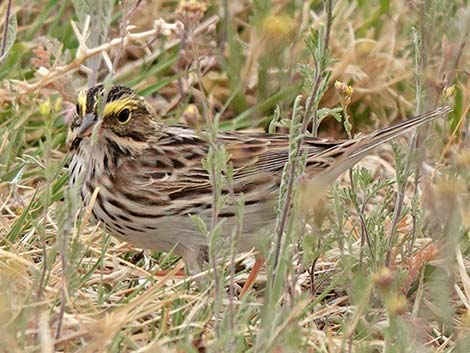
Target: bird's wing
(251, 155)
(173, 172)
(254, 154)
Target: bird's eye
(124, 116)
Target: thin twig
(235, 239)
(84, 53)
(63, 260)
(47, 202)
(122, 28)
(311, 269)
(5, 29)
(132, 66)
(42, 279)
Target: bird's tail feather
(376, 138)
(363, 145)
(370, 141)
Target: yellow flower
(383, 278)
(278, 29)
(58, 104)
(344, 88)
(449, 91)
(191, 115)
(397, 304)
(45, 107)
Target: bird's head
(119, 115)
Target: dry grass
(67, 286)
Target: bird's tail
(378, 137)
(352, 151)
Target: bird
(148, 177)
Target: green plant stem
(311, 104)
(420, 64)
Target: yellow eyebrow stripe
(81, 101)
(116, 106)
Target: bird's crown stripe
(82, 101)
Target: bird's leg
(252, 277)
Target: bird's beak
(86, 128)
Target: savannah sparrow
(149, 176)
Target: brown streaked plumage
(150, 176)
